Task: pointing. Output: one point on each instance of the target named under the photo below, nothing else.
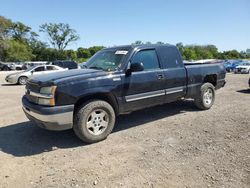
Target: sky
(224, 23)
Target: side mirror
(32, 71)
(136, 67)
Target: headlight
(48, 90)
(47, 96)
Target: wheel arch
(108, 97)
(212, 78)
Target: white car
(21, 77)
(243, 68)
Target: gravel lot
(173, 145)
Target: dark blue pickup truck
(116, 81)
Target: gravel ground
(173, 145)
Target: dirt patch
(173, 145)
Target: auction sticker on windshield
(121, 52)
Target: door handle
(160, 76)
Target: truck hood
(66, 76)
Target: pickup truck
(117, 81)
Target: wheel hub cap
(97, 122)
(208, 97)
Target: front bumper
(11, 80)
(51, 118)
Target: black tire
(22, 80)
(87, 113)
(203, 100)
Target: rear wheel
(94, 121)
(206, 97)
(22, 80)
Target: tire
(206, 97)
(94, 121)
(22, 80)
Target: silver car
(21, 77)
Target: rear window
(169, 56)
(51, 68)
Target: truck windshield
(107, 60)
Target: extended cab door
(175, 77)
(144, 88)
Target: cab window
(148, 58)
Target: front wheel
(94, 121)
(22, 80)
(206, 97)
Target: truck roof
(139, 46)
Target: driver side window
(148, 58)
(39, 69)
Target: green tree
(189, 54)
(95, 49)
(159, 42)
(60, 35)
(180, 47)
(138, 42)
(5, 26)
(70, 54)
(18, 51)
(83, 53)
(20, 31)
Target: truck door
(174, 72)
(144, 88)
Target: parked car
(30, 64)
(66, 64)
(118, 81)
(230, 65)
(244, 67)
(5, 66)
(21, 77)
(16, 66)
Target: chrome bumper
(56, 122)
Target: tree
(159, 42)
(95, 49)
(70, 54)
(18, 51)
(180, 47)
(20, 31)
(138, 42)
(60, 35)
(83, 53)
(189, 54)
(5, 25)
